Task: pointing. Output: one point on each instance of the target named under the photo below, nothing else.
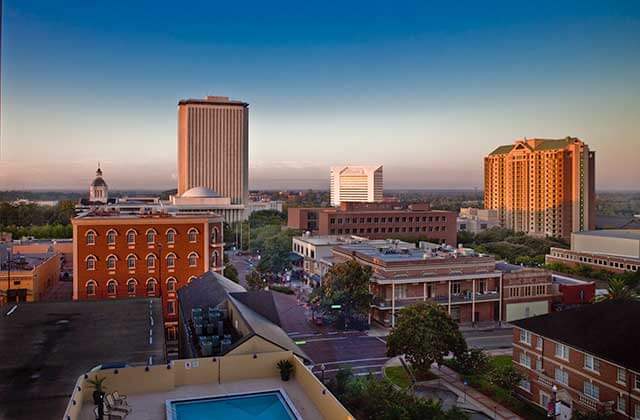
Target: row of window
(389, 230)
(397, 219)
(151, 261)
(151, 236)
(596, 261)
(525, 291)
(151, 286)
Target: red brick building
(125, 256)
(377, 221)
(586, 359)
(470, 286)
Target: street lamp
(554, 391)
(322, 369)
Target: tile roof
(607, 330)
(502, 150)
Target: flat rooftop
(320, 240)
(46, 346)
(406, 255)
(612, 233)
(26, 261)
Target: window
(193, 259)
(131, 262)
(171, 236)
(111, 262)
(91, 238)
(621, 377)
(214, 259)
(171, 307)
(193, 235)
(525, 337)
(131, 286)
(455, 287)
(214, 236)
(91, 288)
(539, 343)
(151, 236)
(91, 263)
(151, 287)
(151, 261)
(562, 351)
(525, 360)
(562, 376)
(637, 385)
(622, 404)
(171, 284)
(591, 390)
(111, 287)
(131, 237)
(637, 411)
(171, 261)
(591, 363)
(525, 384)
(111, 237)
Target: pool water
(260, 406)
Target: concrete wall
(605, 245)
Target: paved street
(242, 264)
(490, 339)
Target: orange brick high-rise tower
(542, 187)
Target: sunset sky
(425, 89)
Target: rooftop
(407, 255)
(24, 261)
(607, 330)
(45, 346)
(612, 233)
(536, 144)
(213, 100)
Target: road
(242, 264)
(490, 339)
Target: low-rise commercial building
(469, 285)
(616, 250)
(26, 277)
(474, 220)
(585, 359)
(154, 254)
(377, 221)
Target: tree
(425, 334)
(505, 376)
(618, 290)
(231, 272)
(254, 281)
(347, 285)
(266, 217)
(471, 362)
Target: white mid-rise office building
(361, 184)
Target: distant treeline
(37, 221)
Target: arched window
(112, 287)
(214, 259)
(171, 260)
(91, 237)
(171, 284)
(131, 286)
(111, 237)
(131, 236)
(91, 288)
(214, 235)
(193, 235)
(111, 262)
(151, 236)
(131, 261)
(192, 278)
(193, 259)
(151, 286)
(171, 235)
(151, 261)
(91, 262)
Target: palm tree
(618, 290)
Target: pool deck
(151, 406)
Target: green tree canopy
(425, 334)
(254, 281)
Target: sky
(426, 89)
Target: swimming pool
(267, 405)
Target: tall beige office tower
(361, 184)
(213, 146)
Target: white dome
(200, 192)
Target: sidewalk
(490, 407)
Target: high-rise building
(542, 187)
(213, 146)
(356, 183)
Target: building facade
(474, 220)
(126, 256)
(213, 146)
(362, 184)
(615, 250)
(377, 221)
(98, 190)
(26, 277)
(469, 285)
(583, 359)
(542, 187)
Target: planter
(98, 397)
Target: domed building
(98, 190)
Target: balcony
(383, 303)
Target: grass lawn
(398, 376)
(503, 396)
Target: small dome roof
(200, 192)
(98, 182)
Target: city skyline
(438, 87)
